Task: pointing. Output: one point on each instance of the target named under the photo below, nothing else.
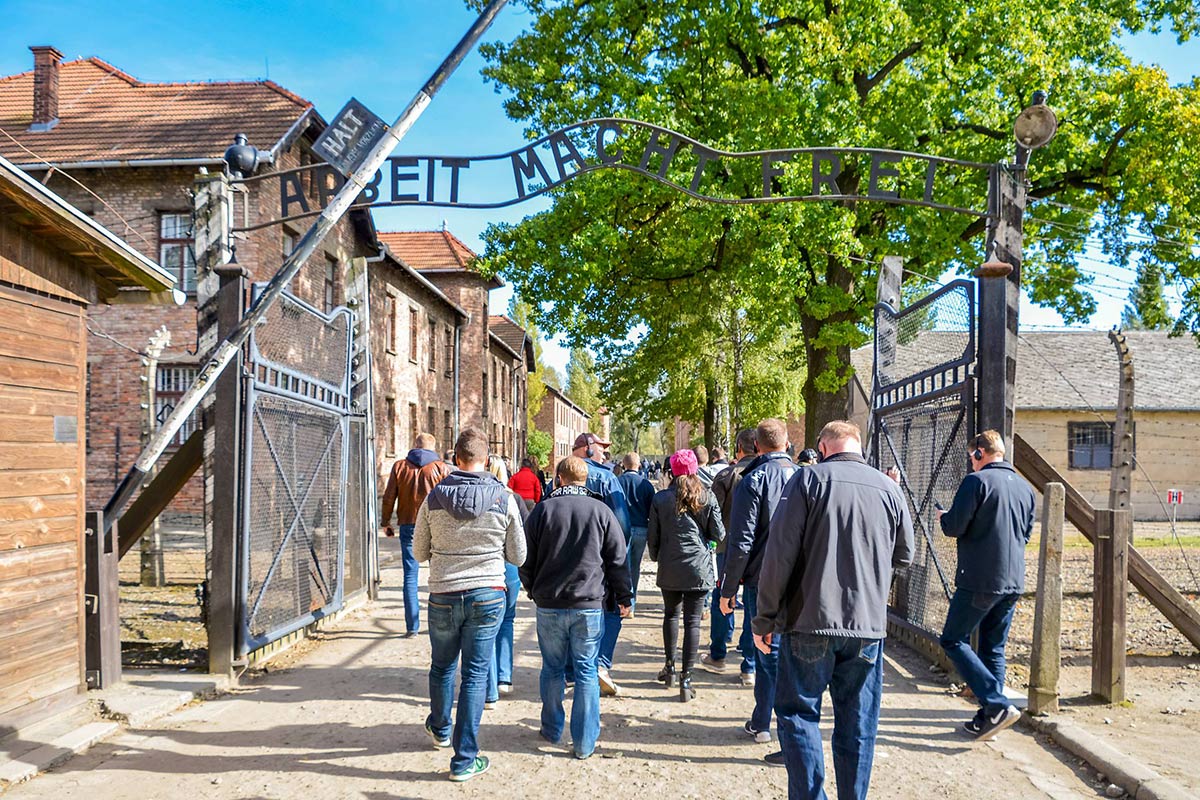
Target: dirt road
(345, 721)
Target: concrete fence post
(1047, 614)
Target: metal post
(999, 301)
(230, 346)
(102, 640)
(1047, 613)
(1108, 603)
(362, 398)
(153, 568)
(226, 413)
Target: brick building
(494, 361)
(137, 146)
(563, 420)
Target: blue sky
(379, 51)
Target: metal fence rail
(922, 416)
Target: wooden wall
(42, 382)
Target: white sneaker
(747, 679)
(608, 687)
(505, 688)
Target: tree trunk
(710, 413)
(826, 361)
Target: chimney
(46, 61)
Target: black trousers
(692, 603)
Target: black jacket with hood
(680, 542)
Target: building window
(432, 346)
(331, 271)
(449, 352)
(288, 243)
(447, 431)
(431, 420)
(1089, 445)
(390, 414)
(413, 422)
(175, 249)
(170, 382)
(414, 322)
(392, 316)
(485, 395)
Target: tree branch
(982, 130)
(865, 84)
(743, 59)
(1112, 147)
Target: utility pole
(999, 300)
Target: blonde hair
(571, 471)
(839, 431)
(771, 434)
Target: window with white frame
(170, 382)
(176, 253)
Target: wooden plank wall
(42, 375)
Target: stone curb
(53, 753)
(1141, 782)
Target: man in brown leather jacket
(412, 478)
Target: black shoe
(1001, 720)
(686, 692)
(666, 675)
(775, 759)
(975, 724)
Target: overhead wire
(1136, 461)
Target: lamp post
(1000, 284)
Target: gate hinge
(91, 603)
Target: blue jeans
(852, 670)
(721, 627)
(412, 571)
(501, 668)
(636, 549)
(983, 671)
(570, 636)
(766, 665)
(463, 623)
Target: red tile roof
(428, 249)
(513, 336)
(107, 115)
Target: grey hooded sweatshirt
(468, 526)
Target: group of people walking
(808, 544)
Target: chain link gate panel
(922, 417)
(297, 462)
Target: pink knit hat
(684, 463)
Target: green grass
(1142, 543)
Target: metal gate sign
(348, 139)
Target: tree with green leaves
(522, 313)
(539, 445)
(931, 76)
(1147, 309)
(583, 385)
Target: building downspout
(457, 376)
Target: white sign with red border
(1174, 497)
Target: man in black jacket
(754, 502)
(721, 626)
(839, 530)
(991, 518)
(575, 568)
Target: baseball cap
(585, 439)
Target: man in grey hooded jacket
(467, 528)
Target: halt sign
(349, 137)
(1175, 497)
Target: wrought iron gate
(297, 451)
(922, 416)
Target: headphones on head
(977, 455)
(591, 451)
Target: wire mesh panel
(298, 458)
(921, 421)
(355, 575)
(294, 520)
